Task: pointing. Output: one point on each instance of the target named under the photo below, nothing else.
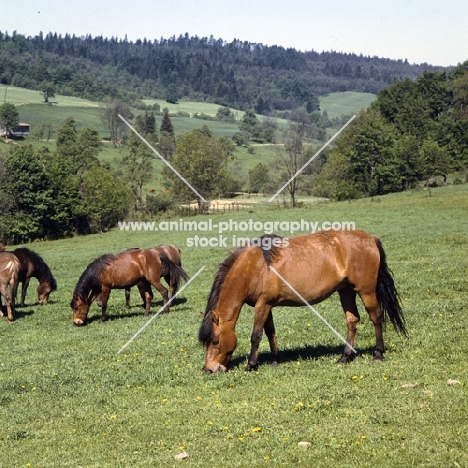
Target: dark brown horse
(310, 267)
(33, 266)
(9, 268)
(121, 271)
(173, 254)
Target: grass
(86, 113)
(345, 103)
(68, 399)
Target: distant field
(345, 103)
(21, 96)
(33, 110)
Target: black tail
(387, 295)
(173, 271)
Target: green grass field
(68, 399)
(86, 113)
(346, 103)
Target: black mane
(272, 251)
(90, 278)
(41, 269)
(206, 328)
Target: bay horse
(120, 271)
(173, 254)
(33, 266)
(312, 267)
(9, 269)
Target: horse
(9, 270)
(173, 254)
(120, 271)
(288, 272)
(32, 265)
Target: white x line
(185, 181)
(311, 159)
(161, 309)
(342, 338)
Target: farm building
(21, 130)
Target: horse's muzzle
(214, 367)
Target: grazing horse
(173, 254)
(32, 265)
(309, 268)
(9, 268)
(121, 271)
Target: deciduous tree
(9, 117)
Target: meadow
(34, 111)
(68, 398)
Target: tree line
(414, 131)
(239, 74)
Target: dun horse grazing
(33, 266)
(9, 268)
(173, 254)
(121, 271)
(311, 266)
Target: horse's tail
(387, 295)
(174, 272)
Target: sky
(421, 31)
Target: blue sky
(432, 31)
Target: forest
(239, 74)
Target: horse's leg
(127, 298)
(376, 315)
(163, 291)
(3, 291)
(172, 285)
(348, 302)
(261, 314)
(269, 328)
(145, 290)
(10, 303)
(104, 295)
(24, 289)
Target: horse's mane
(90, 278)
(41, 269)
(270, 253)
(205, 332)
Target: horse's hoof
(344, 360)
(250, 368)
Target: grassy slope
(33, 110)
(345, 103)
(68, 399)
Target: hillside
(241, 75)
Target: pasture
(68, 398)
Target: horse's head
(80, 309)
(220, 342)
(44, 289)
